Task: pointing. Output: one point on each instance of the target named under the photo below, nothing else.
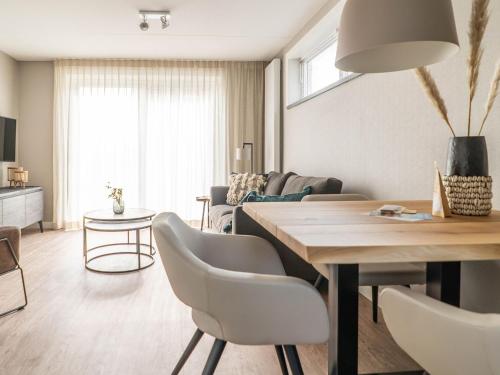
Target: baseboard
(366, 291)
(48, 225)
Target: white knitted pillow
(242, 183)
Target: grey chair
(374, 275)
(443, 339)
(238, 292)
(9, 260)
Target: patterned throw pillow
(240, 184)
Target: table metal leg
(343, 286)
(151, 240)
(85, 241)
(203, 216)
(208, 215)
(443, 282)
(138, 246)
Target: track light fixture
(144, 25)
(148, 15)
(164, 22)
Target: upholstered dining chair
(9, 259)
(443, 339)
(374, 275)
(238, 292)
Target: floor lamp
(245, 153)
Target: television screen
(7, 139)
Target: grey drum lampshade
(389, 35)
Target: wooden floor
(80, 322)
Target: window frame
(305, 67)
(303, 74)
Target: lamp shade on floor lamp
(245, 153)
(388, 35)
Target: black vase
(467, 156)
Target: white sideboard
(21, 207)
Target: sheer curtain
(165, 131)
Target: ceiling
(200, 29)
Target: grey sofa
(222, 214)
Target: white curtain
(158, 129)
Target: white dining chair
(238, 292)
(442, 339)
(373, 275)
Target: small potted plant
(117, 195)
(467, 181)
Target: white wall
(272, 113)
(26, 92)
(36, 86)
(9, 73)
(9, 92)
(379, 134)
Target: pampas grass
(432, 91)
(477, 26)
(494, 88)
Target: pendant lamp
(389, 35)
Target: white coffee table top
(119, 226)
(130, 214)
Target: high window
(309, 64)
(318, 69)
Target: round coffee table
(132, 220)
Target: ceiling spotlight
(148, 15)
(144, 25)
(164, 22)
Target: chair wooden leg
(281, 359)
(187, 352)
(319, 281)
(293, 359)
(375, 303)
(17, 267)
(214, 356)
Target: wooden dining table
(344, 235)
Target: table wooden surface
(344, 233)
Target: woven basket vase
(468, 186)
(470, 196)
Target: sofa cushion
(217, 214)
(275, 182)
(320, 185)
(240, 184)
